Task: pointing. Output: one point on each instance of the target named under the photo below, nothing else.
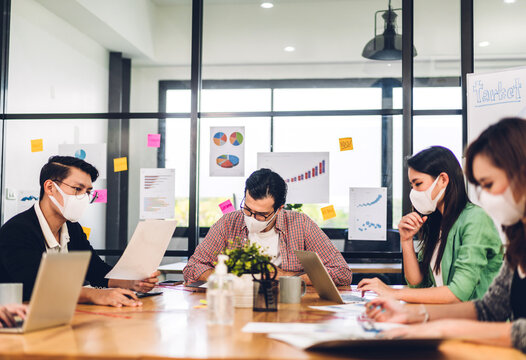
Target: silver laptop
(321, 279)
(56, 292)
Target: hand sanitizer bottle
(220, 295)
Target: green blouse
(472, 256)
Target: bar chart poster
(157, 195)
(368, 213)
(306, 174)
(227, 151)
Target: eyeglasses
(92, 196)
(257, 215)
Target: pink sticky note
(102, 196)
(154, 140)
(226, 207)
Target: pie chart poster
(227, 151)
(306, 174)
(95, 154)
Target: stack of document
(348, 332)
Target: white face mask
(256, 226)
(503, 207)
(73, 207)
(422, 201)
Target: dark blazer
(22, 244)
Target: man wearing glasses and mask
(51, 225)
(279, 232)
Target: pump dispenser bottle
(220, 295)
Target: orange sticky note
(37, 145)
(328, 212)
(120, 164)
(87, 231)
(346, 144)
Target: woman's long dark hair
(434, 161)
(504, 144)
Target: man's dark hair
(59, 167)
(265, 182)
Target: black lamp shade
(387, 46)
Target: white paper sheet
(275, 327)
(227, 151)
(306, 174)
(348, 309)
(144, 251)
(95, 154)
(367, 213)
(157, 195)
(347, 332)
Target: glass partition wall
(296, 81)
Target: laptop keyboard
(18, 323)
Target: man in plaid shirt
(263, 220)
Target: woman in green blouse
(461, 251)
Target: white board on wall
(493, 96)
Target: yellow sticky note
(87, 231)
(37, 145)
(328, 212)
(120, 164)
(346, 144)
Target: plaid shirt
(296, 232)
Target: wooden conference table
(170, 326)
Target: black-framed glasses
(257, 215)
(92, 196)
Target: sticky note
(346, 144)
(87, 231)
(37, 145)
(102, 196)
(328, 212)
(154, 140)
(120, 164)
(226, 207)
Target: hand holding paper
(143, 285)
(144, 251)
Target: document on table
(350, 325)
(144, 251)
(347, 309)
(275, 327)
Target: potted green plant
(244, 260)
(295, 207)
